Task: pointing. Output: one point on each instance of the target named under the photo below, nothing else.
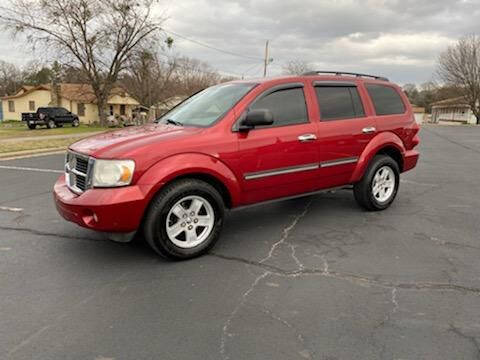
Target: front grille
(81, 182)
(77, 171)
(81, 165)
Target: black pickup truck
(51, 117)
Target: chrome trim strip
(281, 171)
(342, 161)
(332, 189)
(330, 83)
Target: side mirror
(255, 118)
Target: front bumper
(410, 159)
(114, 210)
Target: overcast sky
(400, 39)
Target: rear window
(386, 100)
(339, 102)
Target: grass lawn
(15, 129)
(35, 145)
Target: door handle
(369, 130)
(307, 137)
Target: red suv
(235, 144)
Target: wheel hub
(383, 185)
(190, 221)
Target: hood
(120, 143)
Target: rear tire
(184, 220)
(379, 185)
(50, 124)
(75, 123)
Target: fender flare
(379, 142)
(180, 165)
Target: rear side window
(287, 106)
(339, 102)
(386, 100)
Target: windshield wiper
(173, 122)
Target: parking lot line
(30, 169)
(11, 209)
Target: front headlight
(111, 173)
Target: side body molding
(382, 140)
(175, 166)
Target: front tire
(184, 220)
(75, 123)
(32, 126)
(379, 185)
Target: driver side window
(287, 106)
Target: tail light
(412, 139)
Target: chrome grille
(81, 165)
(78, 171)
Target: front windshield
(206, 107)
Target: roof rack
(340, 73)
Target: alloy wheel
(190, 221)
(383, 185)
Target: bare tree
(149, 77)
(97, 36)
(412, 92)
(10, 78)
(459, 66)
(192, 75)
(296, 67)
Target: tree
(35, 74)
(148, 77)
(412, 93)
(10, 78)
(459, 66)
(192, 75)
(296, 67)
(96, 36)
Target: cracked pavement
(311, 278)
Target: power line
(212, 47)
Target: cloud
(400, 39)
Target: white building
(454, 110)
(419, 113)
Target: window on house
(11, 106)
(111, 109)
(31, 105)
(339, 102)
(122, 109)
(81, 109)
(386, 99)
(287, 106)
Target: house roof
(418, 109)
(74, 92)
(458, 101)
(26, 90)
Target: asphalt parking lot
(311, 278)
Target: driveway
(311, 278)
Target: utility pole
(266, 60)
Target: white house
(455, 110)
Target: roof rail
(340, 73)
